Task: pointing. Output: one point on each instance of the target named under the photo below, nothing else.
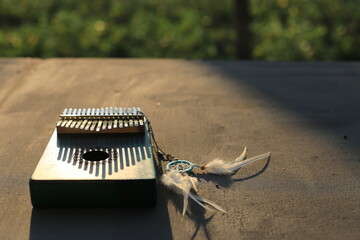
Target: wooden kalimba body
(97, 158)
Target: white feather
(218, 166)
(179, 183)
(193, 196)
(193, 182)
(236, 165)
(242, 156)
(211, 203)
(221, 167)
(186, 201)
(182, 184)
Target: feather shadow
(194, 212)
(197, 215)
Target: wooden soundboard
(97, 166)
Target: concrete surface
(307, 114)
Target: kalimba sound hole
(95, 155)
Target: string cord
(165, 156)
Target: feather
(182, 184)
(242, 156)
(211, 203)
(218, 166)
(193, 196)
(236, 165)
(221, 167)
(193, 182)
(186, 201)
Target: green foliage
(306, 29)
(105, 28)
(205, 29)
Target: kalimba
(97, 157)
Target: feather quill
(221, 167)
(242, 156)
(211, 203)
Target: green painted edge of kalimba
(90, 193)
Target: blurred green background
(202, 29)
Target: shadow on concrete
(197, 215)
(111, 223)
(194, 212)
(324, 94)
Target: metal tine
(83, 124)
(106, 111)
(141, 122)
(63, 124)
(129, 111)
(74, 111)
(121, 124)
(93, 125)
(126, 124)
(120, 111)
(65, 111)
(98, 111)
(88, 112)
(115, 123)
(111, 111)
(136, 122)
(98, 128)
(58, 123)
(102, 112)
(104, 125)
(131, 123)
(74, 122)
(83, 112)
(138, 111)
(68, 123)
(125, 111)
(78, 123)
(110, 124)
(134, 111)
(69, 111)
(116, 111)
(88, 125)
(93, 111)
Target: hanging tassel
(182, 183)
(221, 167)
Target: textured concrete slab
(307, 114)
